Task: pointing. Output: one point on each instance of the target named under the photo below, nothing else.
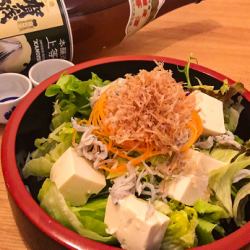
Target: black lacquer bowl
(32, 117)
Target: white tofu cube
(75, 178)
(202, 163)
(135, 227)
(188, 189)
(211, 113)
(193, 184)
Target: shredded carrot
(198, 121)
(98, 111)
(195, 126)
(104, 168)
(135, 145)
(117, 151)
(105, 107)
(192, 138)
(74, 138)
(107, 162)
(119, 169)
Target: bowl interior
(35, 122)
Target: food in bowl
(143, 161)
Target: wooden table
(216, 32)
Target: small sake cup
(13, 88)
(44, 69)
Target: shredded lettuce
(232, 108)
(180, 233)
(220, 181)
(209, 89)
(189, 226)
(48, 151)
(223, 154)
(247, 144)
(205, 231)
(162, 207)
(209, 218)
(72, 97)
(175, 205)
(38, 167)
(186, 70)
(158, 160)
(83, 220)
(210, 212)
(240, 201)
(91, 215)
(242, 174)
(231, 117)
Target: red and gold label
(142, 12)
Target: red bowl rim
(39, 217)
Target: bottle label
(142, 12)
(32, 31)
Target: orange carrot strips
(195, 126)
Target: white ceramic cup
(44, 69)
(13, 88)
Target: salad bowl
(32, 119)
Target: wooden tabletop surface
(216, 32)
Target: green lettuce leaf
(38, 167)
(205, 230)
(186, 72)
(223, 154)
(220, 181)
(162, 207)
(240, 201)
(232, 118)
(48, 151)
(209, 218)
(52, 201)
(232, 108)
(242, 174)
(158, 159)
(210, 90)
(224, 93)
(175, 205)
(180, 233)
(210, 212)
(72, 97)
(92, 215)
(205, 88)
(247, 144)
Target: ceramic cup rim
(41, 63)
(29, 84)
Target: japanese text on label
(9, 11)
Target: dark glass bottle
(100, 24)
(32, 31)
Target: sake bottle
(75, 30)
